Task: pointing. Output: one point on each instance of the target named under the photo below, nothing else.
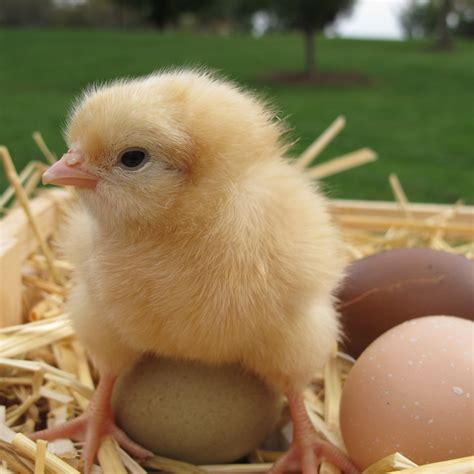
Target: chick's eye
(133, 159)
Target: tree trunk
(445, 40)
(310, 52)
(159, 13)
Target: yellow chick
(196, 239)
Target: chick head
(138, 148)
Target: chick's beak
(69, 170)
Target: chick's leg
(95, 423)
(307, 447)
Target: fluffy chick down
(217, 250)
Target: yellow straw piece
(25, 173)
(395, 462)
(32, 182)
(332, 392)
(109, 458)
(328, 468)
(231, 469)
(179, 467)
(342, 163)
(27, 447)
(40, 460)
(23, 200)
(320, 143)
(399, 194)
(48, 154)
(454, 466)
(381, 223)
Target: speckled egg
(412, 391)
(196, 413)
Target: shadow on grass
(340, 79)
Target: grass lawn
(417, 113)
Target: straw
(400, 195)
(455, 466)
(235, 468)
(132, 466)
(381, 223)
(15, 460)
(321, 143)
(28, 448)
(172, 466)
(394, 462)
(109, 458)
(40, 458)
(26, 172)
(49, 155)
(342, 163)
(23, 199)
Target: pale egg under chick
(196, 239)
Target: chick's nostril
(73, 158)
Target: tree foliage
(51, 13)
(308, 15)
(25, 12)
(164, 13)
(422, 19)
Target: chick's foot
(95, 423)
(308, 449)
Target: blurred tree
(444, 38)
(95, 13)
(163, 13)
(307, 16)
(236, 12)
(69, 13)
(439, 19)
(418, 19)
(310, 17)
(466, 18)
(25, 12)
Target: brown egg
(391, 287)
(412, 391)
(196, 413)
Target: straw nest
(46, 378)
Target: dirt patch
(319, 79)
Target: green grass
(416, 113)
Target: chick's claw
(92, 430)
(308, 458)
(93, 425)
(291, 462)
(307, 449)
